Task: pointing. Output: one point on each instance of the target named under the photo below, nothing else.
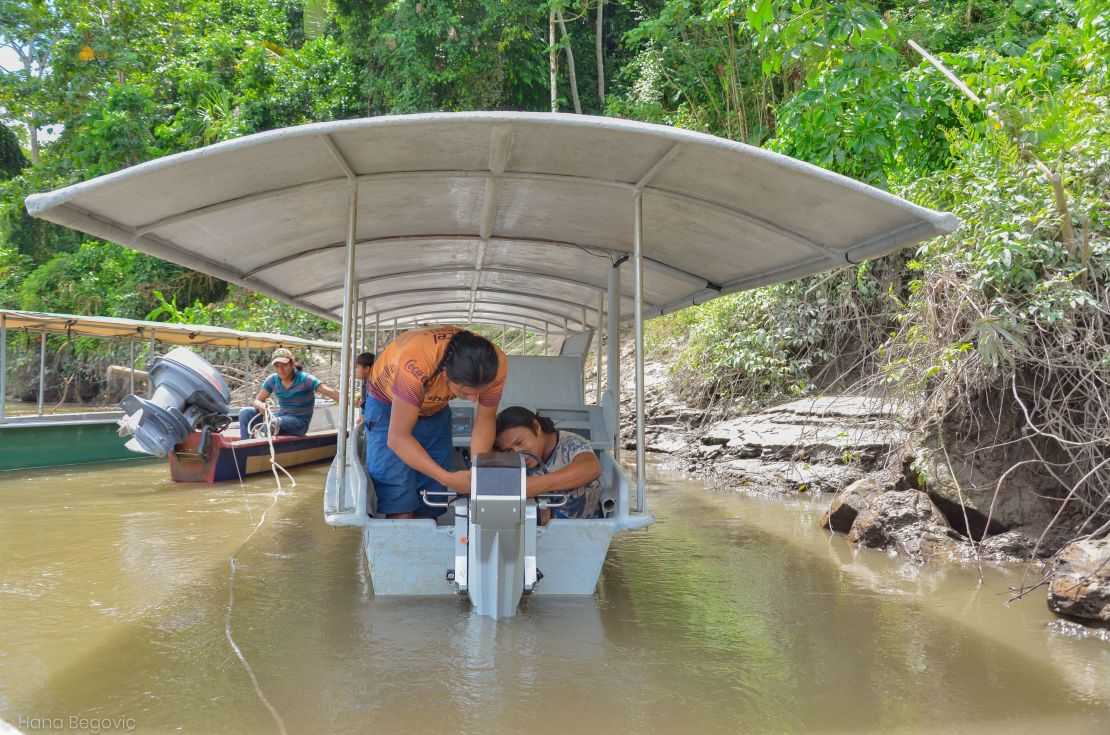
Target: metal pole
(638, 322)
(345, 355)
(546, 343)
(246, 372)
(3, 368)
(600, 333)
(42, 370)
(377, 329)
(350, 415)
(150, 383)
(131, 379)
(365, 324)
(613, 358)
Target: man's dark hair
(515, 417)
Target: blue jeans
(397, 485)
(290, 425)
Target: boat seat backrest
(536, 380)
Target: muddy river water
(731, 614)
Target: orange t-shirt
(400, 369)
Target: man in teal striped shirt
(295, 391)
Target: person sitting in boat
(363, 363)
(556, 461)
(295, 391)
(408, 421)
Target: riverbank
(883, 486)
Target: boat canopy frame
(468, 208)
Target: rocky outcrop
(811, 445)
(1080, 582)
(826, 444)
(905, 520)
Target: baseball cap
(282, 355)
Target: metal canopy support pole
(597, 343)
(358, 304)
(345, 341)
(546, 343)
(42, 370)
(3, 368)
(613, 358)
(149, 365)
(377, 329)
(246, 373)
(131, 376)
(638, 322)
(362, 326)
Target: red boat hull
(228, 458)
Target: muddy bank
(886, 487)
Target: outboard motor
(188, 394)
(499, 533)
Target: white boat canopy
(493, 217)
(194, 335)
(502, 217)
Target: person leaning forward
(295, 391)
(408, 421)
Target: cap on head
(282, 355)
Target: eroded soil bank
(885, 486)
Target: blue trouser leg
(397, 485)
(245, 418)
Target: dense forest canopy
(1013, 304)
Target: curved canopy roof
(502, 217)
(195, 335)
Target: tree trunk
(553, 60)
(600, 57)
(570, 65)
(32, 127)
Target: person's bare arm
(582, 470)
(400, 439)
(259, 401)
(331, 393)
(484, 431)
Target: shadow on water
(702, 623)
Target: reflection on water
(729, 615)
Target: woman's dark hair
(515, 417)
(469, 360)
(366, 359)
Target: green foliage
(12, 160)
(451, 55)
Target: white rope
(266, 429)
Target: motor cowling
(188, 394)
(500, 528)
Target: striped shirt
(296, 400)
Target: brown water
(731, 614)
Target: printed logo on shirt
(414, 368)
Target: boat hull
(228, 458)
(28, 443)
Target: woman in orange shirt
(407, 419)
